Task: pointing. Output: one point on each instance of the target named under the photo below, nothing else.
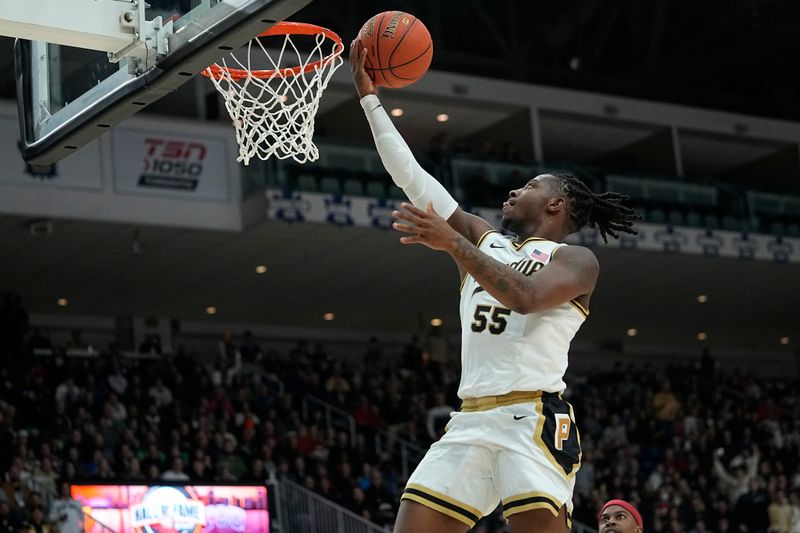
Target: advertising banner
(168, 164)
(173, 508)
(295, 206)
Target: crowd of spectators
(695, 447)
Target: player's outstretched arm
(571, 273)
(419, 186)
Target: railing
(410, 454)
(334, 417)
(100, 527)
(301, 511)
(676, 192)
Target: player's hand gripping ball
(399, 48)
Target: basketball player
(619, 516)
(522, 300)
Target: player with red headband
(619, 516)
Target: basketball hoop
(273, 110)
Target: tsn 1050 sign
(190, 165)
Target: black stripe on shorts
(445, 504)
(532, 499)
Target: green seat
(396, 193)
(306, 182)
(675, 218)
(731, 224)
(657, 216)
(376, 189)
(694, 220)
(353, 187)
(330, 185)
(777, 228)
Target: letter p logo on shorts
(562, 430)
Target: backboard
(122, 56)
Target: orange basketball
(399, 48)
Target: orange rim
(281, 28)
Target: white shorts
(524, 455)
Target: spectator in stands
(37, 523)
(230, 466)
(752, 509)
(366, 415)
(780, 514)
(795, 504)
(249, 348)
(358, 504)
(151, 344)
(16, 492)
(116, 380)
(437, 416)
(9, 522)
(665, 404)
(66, 512)
(38, 341)
(160, 394)
(619, 516)
(737, 485)
(175, 473)
(336, 385)
(76, 341)
(413, 359)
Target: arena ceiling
(372, 283)
(737, 55)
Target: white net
(273, 110)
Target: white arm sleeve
(419, 186)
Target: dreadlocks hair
(604, 210)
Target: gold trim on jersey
(580, 307)
(484, 403)
(531, 500)
(537, 438)
(557, 248)
(483, 237)
(444, 504)
(526, 241)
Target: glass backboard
(68, 96)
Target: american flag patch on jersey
(539, 256)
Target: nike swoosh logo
(520, 417)
(493, 246)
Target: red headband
(625, 505)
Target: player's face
(615, 519)
(529, 202)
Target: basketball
(399, 48)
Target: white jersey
(503, 351)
